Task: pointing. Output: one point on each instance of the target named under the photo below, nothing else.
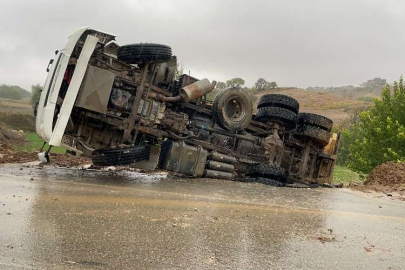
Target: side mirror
(50, 63)
(56, 52)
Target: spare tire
(120, 156)
(284, 116)
(316, 134)
(271, 171)
(315, 120)
(144, 52)
(232, 109)
(281, 101)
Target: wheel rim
(234, 109)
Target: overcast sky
(293, 42)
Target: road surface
(55, 218)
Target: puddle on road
(115, 218)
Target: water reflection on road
(127, 220)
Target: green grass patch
(344, 175)
(35, 143)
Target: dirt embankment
(387, 177)
(334, 106)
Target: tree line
(260, 85)
(13, 92)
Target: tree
(273, 85)
(178, 71)
(36, 94)
(221, 85)
(13, 92)
(379, 135)
(235, 82)
(261, 84)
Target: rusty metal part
(154, 132)
(163, 98)
(218, 174)
(196, 90)
(159, 90)
(176, 122)
(144, 103)
(138, 96)
(233, 135)
(222, 158)
(183, 158)
(220, 166)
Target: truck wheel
(314, 133)
(284, 116)
(232, 109)
(270, 171)
(281, 101)
(269, 182)
(120, 156)
(315, 120)
(144, 52)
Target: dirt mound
(387, 177)
(8, 136)
(9, 155)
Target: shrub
(379, 135)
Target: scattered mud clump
(387, 177)
(66, 160)
(9, 155)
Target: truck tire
(263, 180)
(120, 156)
(281, 101)
(315, 120)
(269, 182)
(285, 116)
(232, 109)
(144, 52)
(316, 134)
(270, 171)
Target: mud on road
(83, 219)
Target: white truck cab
(53, 111)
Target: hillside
(334, 106)
(13, 92)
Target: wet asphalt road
(74, 219)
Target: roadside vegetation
(34, 143)
(342, 174)
(377, 135)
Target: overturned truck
(125, 105)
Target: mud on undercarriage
(131, 109)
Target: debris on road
(388, 177)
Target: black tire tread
(270, 171)
(120, 156)
(286, 117)
(315, 120)
(144, 52)
(314, 133)
(278, 100)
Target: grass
(344, 175)
(35, 143)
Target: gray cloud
(294, 42)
